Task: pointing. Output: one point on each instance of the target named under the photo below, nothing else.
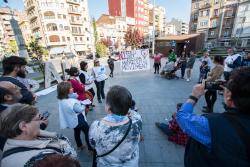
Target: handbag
(95, 156)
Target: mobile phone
(45, 115)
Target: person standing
(111, 65)
(172, 56)
(98, 72)
(190, 65)
(116, 137)
(215, 74)
(157, 62)
(77, 86)
(183, 62)
(205, 59)
(86, 79)
(231, 62)
(14, 67)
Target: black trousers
(157, 67)
(183, 69)
(84, 127)
(211, 97)
(100, 89)
(111, 67)
(227, 75)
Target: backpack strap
(241, 131)
(24, 149)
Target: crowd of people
(212, 139)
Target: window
(87, 38)
(79, 30)
(64, 16)
(212, 33)
(63, 39)
(216, 12)
(203, 23)
(66, 27)
(59, 16)
(74, 30)
(51, 27)
(80, 38)
(196, 5)
(61, 27)
(216, 1)
(68, 38)
(54, 38)
(49, 15)
(76, 39)
(72, 18)
(214, 23)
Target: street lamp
(153, 42)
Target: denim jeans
(100, 89)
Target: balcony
(76, 23)
(205, 6)
(74, 11)
(75, 2)
(30, 7)
(227, 15)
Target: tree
(133, 38)
(95, 30)
(101, 49)
(37, 54)
(107, 42)
(12, 47)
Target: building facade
(241, 32)
(214, 18)
(61, 26)
(137, 9)
(160, 19)
(176, 27)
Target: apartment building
(61, 26)
(114, 28)
(176, 27)
(241, 31)
(25, 28)
(160, 19)
(7, 34)
(137, 9)
(215, 19)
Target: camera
(215, 85)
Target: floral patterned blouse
(104, 138)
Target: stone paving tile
(156, 99)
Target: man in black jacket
(13, 67)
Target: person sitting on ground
(77, 86)
(72, 114)
(219, 139)
(13, 67)
(172, 129)
(57, 160)
(119, 131)
(26, 141)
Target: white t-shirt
(99, 73)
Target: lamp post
(153, 42)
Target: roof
(105, 19)
(177, 37)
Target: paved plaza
(156, 99)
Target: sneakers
(99, 101)
(81, 148)
(188, 80)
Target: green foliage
(101, 49)
(95, 30)
(133, 38)
(12, 47)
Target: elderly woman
(116, 136)
(26, 142)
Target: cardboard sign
(136, 60)
(51, 74)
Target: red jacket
(78, 88)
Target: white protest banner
(135, 60)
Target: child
(72, 113)
(172, 129)
(203, 71)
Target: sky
(179, 9)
